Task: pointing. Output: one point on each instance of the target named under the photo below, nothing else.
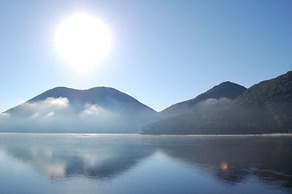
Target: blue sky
(162, 51)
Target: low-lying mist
(59, 115)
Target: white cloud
(35, 115)
(212, 103)
(90, 109)
(4, 115)
(50, 114)
(92, 160)
(56, 114)
(54, 170)
(45, 107)
(93, 109)
(47, 104)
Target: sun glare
(83, 41)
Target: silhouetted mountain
(225, 109)
(102, 96)
(277, 90)
(267, 106)
(99, 95)
(224, 90)
(99, 109)
(264, 108)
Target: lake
(83, 163)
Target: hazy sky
(162, 51)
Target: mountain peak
(225, 89)
(98, 109)
(263, 108)
(95, 95)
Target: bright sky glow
(159, 52)
(83, 41)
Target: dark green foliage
(264, 108)
(277, 90)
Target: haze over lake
(146, 97)
(82, 163)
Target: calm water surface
(54, 163)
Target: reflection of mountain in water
(231, 159)
(60, 156)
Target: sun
(83, 41)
